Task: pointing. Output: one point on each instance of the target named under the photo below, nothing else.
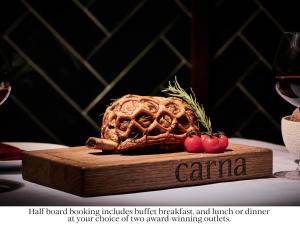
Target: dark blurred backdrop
(72, 57)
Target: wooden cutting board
(87, 172)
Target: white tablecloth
(255, 192)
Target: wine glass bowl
(286, 68)
(5, 71)
(288, 87)
(5, 89)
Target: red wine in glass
(288, 87)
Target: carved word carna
(195, 170)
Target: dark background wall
(72, 57)
(244, 38)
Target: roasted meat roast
(141, 122)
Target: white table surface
(255, 192)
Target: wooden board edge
(85, 182)
(169, 174)
(52, 174)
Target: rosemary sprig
(178, 91)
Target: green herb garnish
(177, 91)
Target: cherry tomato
(203, 137)
(223, 142)
(211, 144)
(193, 144)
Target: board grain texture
(87, 172)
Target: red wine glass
(287, 68)
(287, 73)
